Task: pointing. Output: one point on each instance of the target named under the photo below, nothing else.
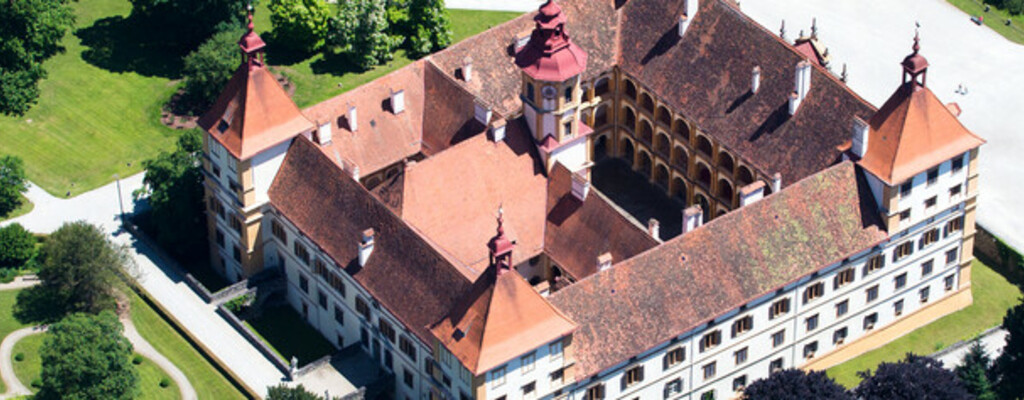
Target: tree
(175, 184)
(208, 69)
(282, 392)
(795, 384)
(30, 33)
(80, 267)
(1009, 366)
(86, 357)
(973, 372)
(929, 381)
(13, 183)
(430, 27)
(300, 24)
(17, 246)
(191, 21)
(361, 31)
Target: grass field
(8, 323)
(995, 19)
(149, 382)
(993, 295)
(29, 368)
(25, 207)
(205, 378)
(284, 330)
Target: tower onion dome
(550, 55)
(915, 62)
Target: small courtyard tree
(209, 68)
(85, 357)
(301, 25)
(430, 28)
(175, 184)
(974, 372)
(283, 392)
(17, 246)
(361, 32)
(1009, 366)
(13, 183)
(795, 384)
(914, 377)
(80, 268)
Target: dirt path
(14, 387)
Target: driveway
(873, 36)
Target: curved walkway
(146, 350)
(14, 387)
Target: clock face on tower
(548, 92)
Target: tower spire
(252, 44)
(915, 66)
(500, 246)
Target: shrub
(19, 357)
(136, 359)
(238, 304)
(164, 382)
(37, 383)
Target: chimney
(481, 113)
(467, 68)
(801, 85)
(521, 39)
(755, 79)
(689, 11)
(654, 228)
(353, 124)
(604, 261)
(693, 218)
(397, 101)
(580, 186)
(860, 137)
(497, 130)
(751, 193)
(365, 247)
(323, 134)
(684, 22)
(776, 182)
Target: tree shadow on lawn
(336, 64)
(280, 54)
(38, 305)
(120, 44)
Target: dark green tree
(13, 182)
(974, 372)
(30, 33)
(795, 384)
(361, 32)
(80, 268)
(282, 392)
(430, 27)
(190, 22)
(85, 357)
(17, 246)
(175, 184)
(1009, 366)
(208, 69)
(301, 25)
(914, 377)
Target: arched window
(630, 89)
(646, 131)
(679, 189)
(568, 94)
(725, 161)
(601, 87)
(661, 176)
(680, 159)
(744, 177)
(704, 145)
(626, 150)
(601, 116)
(647, 103)
(664, 116)
(629, 118)
(645, 163)
(725, 190)
(662, 144)
(703, 175)
(682, 130)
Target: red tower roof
(251, 42)
(499, 244)
(550, 55)
(915, 62)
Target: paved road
(14, 386)
(993, 342)
(146, 350)
(873, 36)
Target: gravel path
(14, 387)
(146, 350)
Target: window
(555, 350)
(905, 215)
(529, 92)
(386, 330)
(556, 377)
(949, 282)
(872, 293)
(362, 308)
(897, 307)
(739, 383)
(929, 237)
(567, 128)
(339, 315)
(709, 370)
(278, 231)
(812, 322)
(407, 348)
(711, 340)
(237, 254)
(498, 376)
(900, 281)
(903, 250)
(322, 299)
(924, 294)
(742, 325)
(337, 284)
(526, 362)
(778, 308)
(304, 283)
(708, 395)
(875, 263)
(216, 170)
(568, 94)
(843, 277)
(954, 191)
(810, 349)
(951, 256)
(633, 376)
(869, 321)
(778, 338)
(926, 268)
(673, 387)
(674, 356)
(930, 202)
(906, 188)
(220, 238)
(320, 269)
(594, 393)
(842, 307)
(933, 175)
(740, 356)
(954, 225)
(407, 378)
(814, 291)
(530, 390)
(388, 360)
(839, 336)
(236, 225)
(301, 252)
(775, 366)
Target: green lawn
(149, 374)
(995, 19)
(993, 295)
(25, 207)
(205, 378)
(284, 330)
(8, 323)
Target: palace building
(456, 219)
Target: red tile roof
(736, 258)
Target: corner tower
(552, 65)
